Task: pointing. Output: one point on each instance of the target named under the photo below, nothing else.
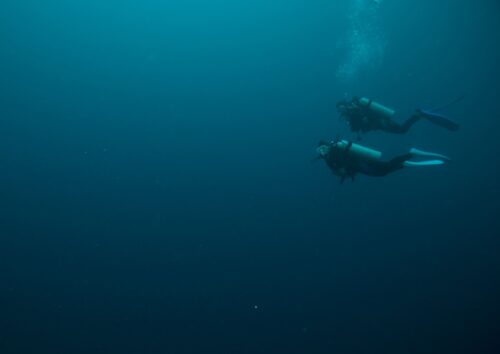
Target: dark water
(157, 194)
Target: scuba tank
(376, 108)
(358, 151)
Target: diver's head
(323, 148)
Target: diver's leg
(391, 126)
(383, 168)
(396, 163)
(410, 121)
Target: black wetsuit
(391, 126)
(382, 168)
(342, 163)
(362, 120)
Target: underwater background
(158, 193)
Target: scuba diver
(364, 115)
(347, 159)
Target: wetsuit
(344, 164)
(382, 168)
(362, 120)
(390, 126)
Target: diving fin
(438, 159)
(439, 119)
(423, 163)
(416, 152)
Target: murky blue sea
(159, 194)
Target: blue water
(158, 195)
